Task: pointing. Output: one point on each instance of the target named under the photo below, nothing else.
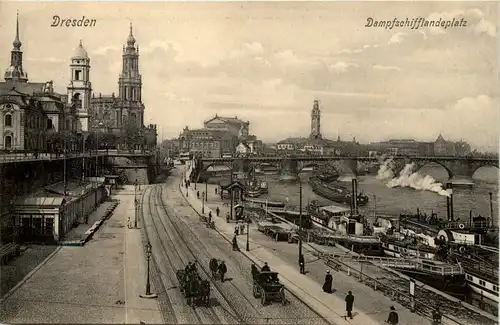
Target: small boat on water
(253, 189)
(328, 175)
(335, 192)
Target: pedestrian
(235, 244)
(349, 301)
(210, 217)
(265, 268)
(327, 286)
(236, 230)
(198, 194)
(216, 190)
(301, 264)
(393, 317)
(227, 217)
(222, 270)
(242, 229)
(217, 211)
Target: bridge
(458, 168)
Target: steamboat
(335, 192)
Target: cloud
(341, 67)
(474, 18)
(386, 67)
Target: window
(468, 277)
(8, 120)
(495, 288)
(8, 142)
(68, 124)
(49, 124)
(77, 74)
(49, 226)
(482, 283)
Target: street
(177, 237)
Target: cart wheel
(263, 297)
(255, 291)
(283, 297)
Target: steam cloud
(415, 180)
(385, 169)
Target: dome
(80, 52)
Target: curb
(259, 262)
(29, 275)
(91, 231)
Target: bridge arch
(418, 166)
(213, 164)
(300, 167)
(484, 173)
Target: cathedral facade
(114, 113)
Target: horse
(193, 290)
(205, 292)
(214, 265)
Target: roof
(40, 201)
(235, 183)
(334, 209)
(222, 119)
(27, 88)
(80, 52)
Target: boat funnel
(449, 203)
(354, 196)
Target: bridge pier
(288, 170)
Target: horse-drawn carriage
(195, 289)
(267, 287)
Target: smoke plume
(385, 169)
(415, 180)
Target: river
(393, 201)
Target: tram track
(206, 243)
(164, 249)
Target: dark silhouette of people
(217, 211)
(222, 270)
(236, 230)
(198, 194)
(349, 301)
(255, 270)
(187, 269)
(437, 315)
(265, 268)
(235, 244)
(302, 264)
(327, 286)
(210, 217)
(216, 191)
(393, 317)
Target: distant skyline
(267, 62)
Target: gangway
(423, 265)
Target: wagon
(267, 287)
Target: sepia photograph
(265, 162)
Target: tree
(131, 135)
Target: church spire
(17, 43)
(130, 39)
(15, 71)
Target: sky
(266, 62)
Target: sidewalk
(97, 283)
(375, 306)
(79, 233)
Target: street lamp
(248, 235)
(135, 204)
(148, 285)
(300, 218)
(202, 202)
(206, 190)
(231, 190)
(97, 148)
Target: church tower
(130, 84)
(80, 88)
(15, 71)
(315, 121)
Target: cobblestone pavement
(182, 238)
(88, 284)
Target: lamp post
(300, 217)
(206, 191)
(97, 148)
(64, 167)
(202, 202)
(135, 204)
(248, 235)
(148, 285)
(231, 195)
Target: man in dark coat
(301, 264)
(217, 211)
(235, 244)
(327, 286)
(209, 216)
(222, 270)
(265, 268)
(349, 301)
(393, 317)
(198, 194)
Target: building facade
(32, 116)
(315, 121)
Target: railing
(309, 157)
(29, 156)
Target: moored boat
(335, 192)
